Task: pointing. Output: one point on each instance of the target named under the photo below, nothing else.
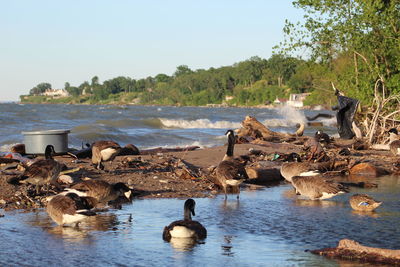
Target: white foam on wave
(6, 148)
(199, 123)
(290, 117)
(329, 122)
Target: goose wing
(231, 169)
(199, 230)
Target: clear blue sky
(60, 41)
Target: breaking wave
(199, 123)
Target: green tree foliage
(244, 81)
(358, 40)
(40, 88)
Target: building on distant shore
(295, 100)
(56, 92)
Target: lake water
(267, 227)
(144, 126)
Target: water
(268, 227)
(145, 127)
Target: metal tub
(36, 142)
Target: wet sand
(165, 175)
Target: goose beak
(193, 213)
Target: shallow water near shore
(266, 227)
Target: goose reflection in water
(183, 244)
(371, 214)
(317, 203)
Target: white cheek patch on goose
(106, 154)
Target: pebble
(2, 202)
(163, 181)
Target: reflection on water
(183, 244)
(266, 227)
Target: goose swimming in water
(41, 172)
(104, 151)
(230, 171)
(68, 209)
(363, 202)
(315, 187)
(186, 228)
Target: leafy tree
(366, 32)
(40, 88)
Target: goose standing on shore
(186, 228)
(394, 144)
(100, 190)
(104, 151)
(317, 188)
(68, 209)
(230, 171)
(41, 172)
(363, 202)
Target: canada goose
(316, 187)
(104, 151)
(363, 202)
(291, 169)
(230, 171)
(101, 190)
(68, 209)
(322, 137)
(185, 228)
(43, 171)
(394, 144)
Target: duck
(186, 228)
(41, 172)
(68, 209)
(394, 144)
(363, 202)
(231, 171)
(100, 190)
(104, 151)
(298, 168)
(317, 188)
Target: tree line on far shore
(351, 44)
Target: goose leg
(225, 192)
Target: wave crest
(199, 123)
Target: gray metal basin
(36, 141)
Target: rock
(352, 250)
(65, 179)
(18, 148)
(367, 169)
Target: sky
(74, 40)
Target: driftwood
(264, 172)
(166, 150)
(132, 150)
(253, 128)
(351, 250)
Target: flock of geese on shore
(76, 203)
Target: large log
(253, 128)
(352, 250)
(264, 173)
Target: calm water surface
(268, 227)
